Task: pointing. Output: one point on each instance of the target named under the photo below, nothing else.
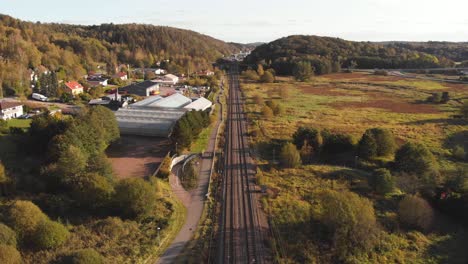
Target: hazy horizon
(247, 22)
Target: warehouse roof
(200, 104)
(173, 101)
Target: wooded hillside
(328, 54)
(73, 50)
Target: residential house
(145, 88)
(96, 81)
(121, 75)
(171, 78)
(205, 73)
(160, 71)
(10, 110)
(73, 88)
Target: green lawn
(21, 123)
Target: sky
(247, 21)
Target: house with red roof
(121, 75)
(73, 88)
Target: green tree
(9, 255)
(290, 156)
(351, 221)
(267, 77)
(382, 181)
(7, 236)
(24, 217)
(367, 147)
(303, 71)
(308, 135)
(49, 234)
(415, 212)
(414, 158)
(71, 162)
(135, 197)
(84, 256)
(376, 142)
(92, 190)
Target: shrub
(335, 143)
(258, 100)
(376, 142)
(290, 157)
(50, 234)
(351, 221)
(267, 77)
(267, 112)
(9, 255)
(24, 217)
(7, 236)
(415, 212)
(458, 153)
(135, 197)
(92, 190)
(383, 181)
(414, 158)
(84, 256)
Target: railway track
(241, 239)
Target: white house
(171, 78)
(160, 71)
(10, 110)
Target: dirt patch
(134, 156)
(457, 87)
(322, 90)
(389, 105)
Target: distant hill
(456, 51)
(73, 50)
(328, 54)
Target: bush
(251, 75)
(7, 236)
(135, 197)
(414, 158)
(290, 157)
(415, 212)
(24, 217)
(84, 256)
(50, 234)
(383, 181)
(351, 221)
(335, 143)
(267, 77)
(267, 112)
(9, 255)
(376, 142)
(258, 100)
(92, 190)
(458, 153)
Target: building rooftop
(173, 101)
(7, 105)
(200, 104)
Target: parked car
(39, 97)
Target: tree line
(327, 55)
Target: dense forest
(72, 51)
(327, 55)
(456, 51)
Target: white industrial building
(155, 115)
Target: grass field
(352, 103)
(21, 123)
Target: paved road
(193, 200)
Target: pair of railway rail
(240, 236)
